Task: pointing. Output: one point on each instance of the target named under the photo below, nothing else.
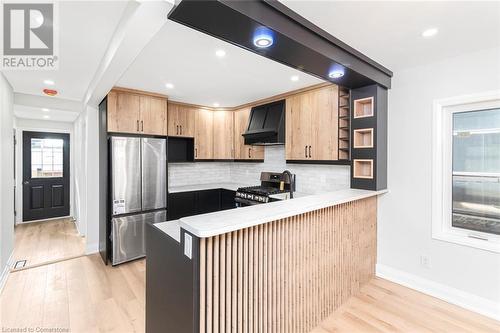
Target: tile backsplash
(311, 178)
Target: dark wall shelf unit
(180, 149)
(344, 124)
(369, 138)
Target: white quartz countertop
(210, 186)
(171, 228)
(212, 224)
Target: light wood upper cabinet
(203, 135)
(133, 112)
(223, 135)
(123, 112)
(181, 120)
(153, 115)
(242, 151)
(312, 125)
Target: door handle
(177, 129)
(309, 151)
(305, 151)
(181, 128)
(26, 182)
(196, 152)
(142, 125)
(137, 125)
(249, 152)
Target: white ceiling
(186, 58)
(389, 32)
(30, 112)
(86, 28)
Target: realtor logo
(29, 36)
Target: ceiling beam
(297, 42)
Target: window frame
(442, 148)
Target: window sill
(450, 237)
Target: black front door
(45, 175)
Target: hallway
(47, 241)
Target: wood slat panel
(287, 275)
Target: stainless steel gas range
(273, 187)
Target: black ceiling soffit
(296, 42)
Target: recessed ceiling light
(430, 32)
(294, 78)
(49, 82)
(169, 85)
(45, 110)
(216, 104)
(220, 53)
(263, 37)
(336, 74)
(46, 117)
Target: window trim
(443, 109)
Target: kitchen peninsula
(279, 267)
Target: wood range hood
(296, 42)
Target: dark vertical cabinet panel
(377, 153)
(172, 283)
(104, 242)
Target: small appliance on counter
(273, 187)
(138, 193)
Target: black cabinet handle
(137, 125)
(177, 129)
(181, 128)
(249, 152)
(196, 152)
(142, 125)
(309, 151)
(305, 151)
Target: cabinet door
(223, 135)
(172, 119)
(298, 126)
(203, 136)
(208, 201)
(324, 106)
(186, 121)
(242, 151)
(123, 112)
(227, 199)
(153, 115)
(181, 204)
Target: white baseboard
(446, 293)
(92, 248)
(5, 271)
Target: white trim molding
(91, 248)
(446, 293)
(5, 271)
(443, 110)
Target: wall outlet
(425, 261)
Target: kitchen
(186, 177)
(235, 171)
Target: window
(466, 171)
(46, 158)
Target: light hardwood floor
(84, 295)
(41, 242)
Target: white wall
(6, 177)
(464, 275)
(80, 172)
(21, 125)
(310, 178)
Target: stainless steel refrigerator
(138, 193)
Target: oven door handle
(246, 202)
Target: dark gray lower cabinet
(182, 204)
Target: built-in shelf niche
(363, 107)
(363, 138)
(344, 134)
(344, 123)
(363, 169)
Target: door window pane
(46, 158)
(476, 171)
